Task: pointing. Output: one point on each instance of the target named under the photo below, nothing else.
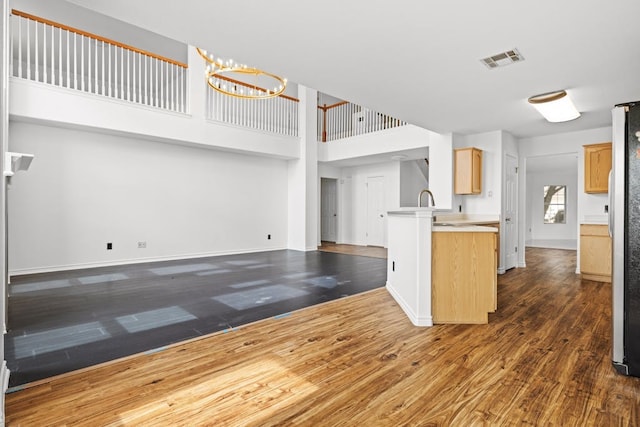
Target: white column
(440, 167)
(303, 178)
(196, 85)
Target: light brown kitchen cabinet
(467, 171)
(595, 252)
(597, 164)
(463, 276)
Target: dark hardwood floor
(543, 359)
(372, 251)
(63, 321)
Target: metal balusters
(82, 63)
(95, 68)
(35, 38)
(345, 119)
(123, 75)
(44, 54)
(75, 61)
(161, 93)
(52, 53)
(19, 47)
(28, 52)
(179, 89)
(275, 115)
(140, 62)
(156, 90)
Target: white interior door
(376, 214)
(328, 210)
(511, 214)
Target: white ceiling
(420, 60)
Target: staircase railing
(56, 54)
(277, 115)
(345, 119)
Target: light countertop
(464, 229)
(462, 219)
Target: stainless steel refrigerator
(624, 227)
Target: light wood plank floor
(370, 251)
(544, 359)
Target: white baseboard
(522, 265)
(49, 269)
(414, 318)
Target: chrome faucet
(433, 202)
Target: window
(554, 204)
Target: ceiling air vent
(502, 59)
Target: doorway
(511, 213)
(376, 224)
(329, 210)
(556, 171)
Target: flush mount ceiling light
(555, 106)
(237, 88)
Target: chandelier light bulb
(215, 67)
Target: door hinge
(516, 249)
(516, 169)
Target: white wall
(412, 181)
(535, 190)
(86, 189)
(489, 201)
(390, 141)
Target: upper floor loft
(72, 77)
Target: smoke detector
(502, 59)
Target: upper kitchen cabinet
(597, 164)
(468, 171)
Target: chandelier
(216, 67)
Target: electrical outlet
(268, 236)
(142, 245)
(109, 246)
(606, 208)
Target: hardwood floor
(370, 251)
(67, 320)
(544, 359)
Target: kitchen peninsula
(441, 273)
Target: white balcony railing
(345, 119)
(55, 54)
(277, 115)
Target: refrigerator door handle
(611, 206)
